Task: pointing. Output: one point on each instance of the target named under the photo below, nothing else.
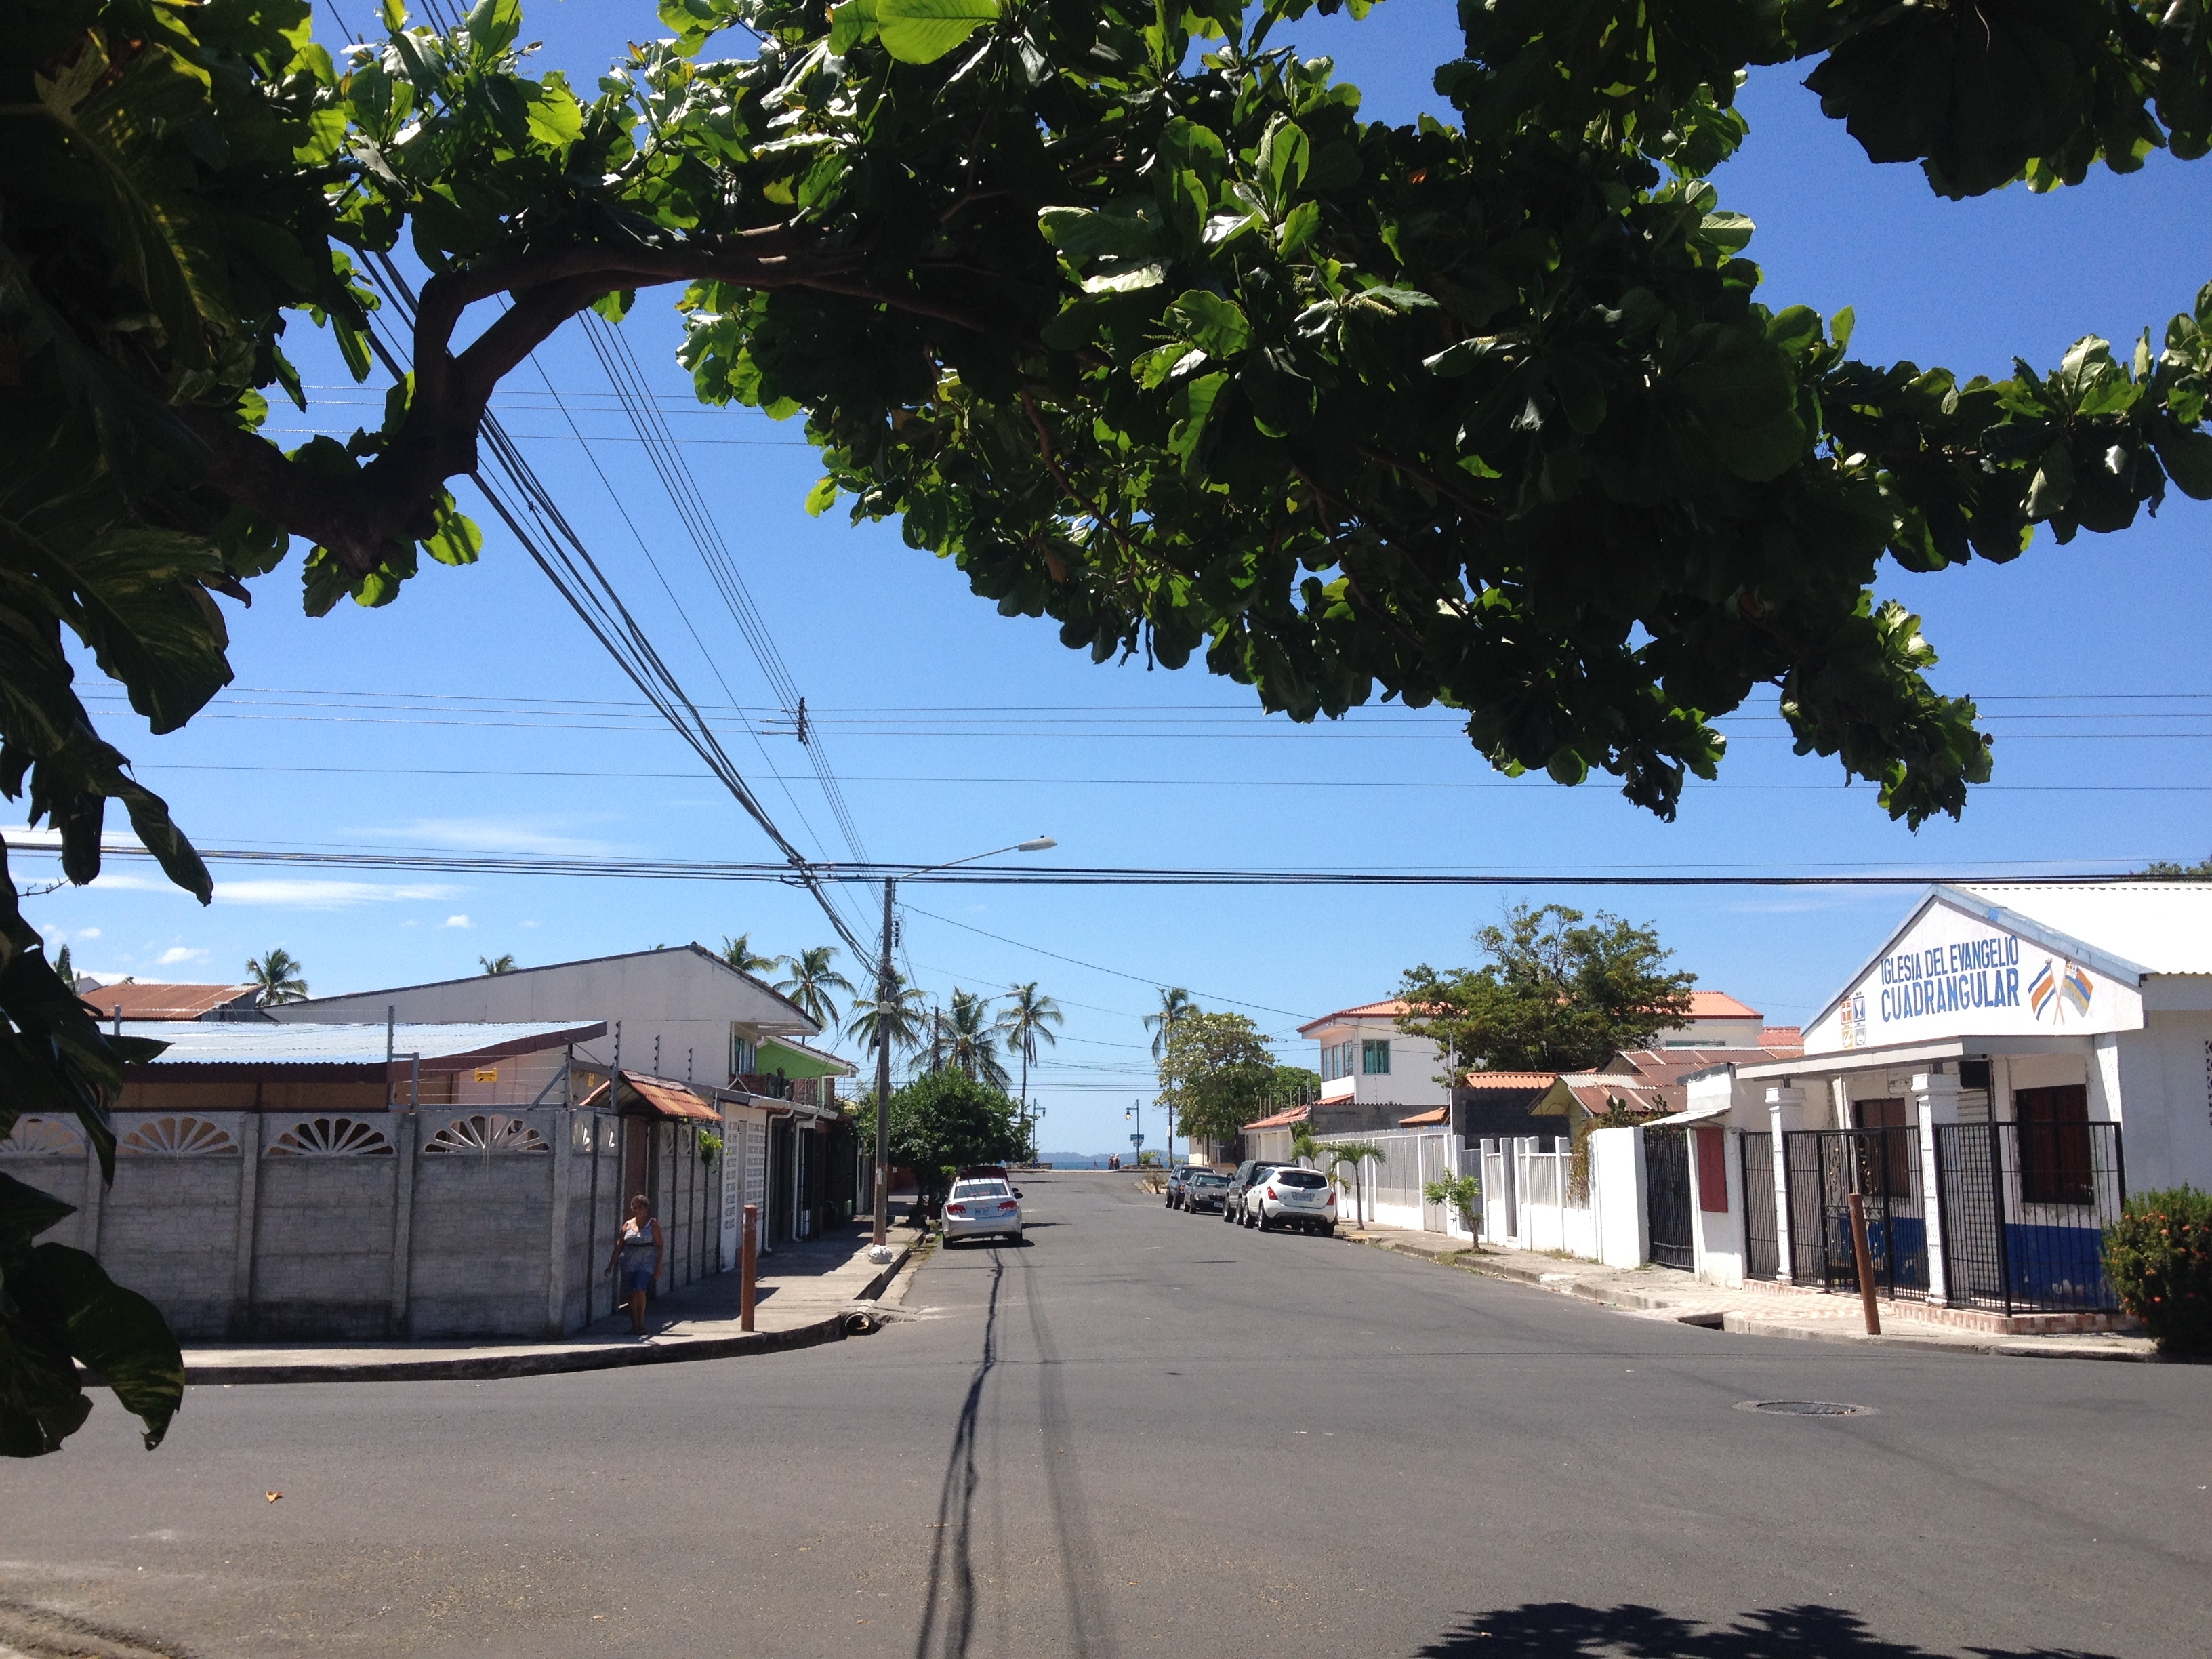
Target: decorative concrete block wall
(347, 1226)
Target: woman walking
(637, 1253)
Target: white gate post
(1935, 1101)
(1785, 1112)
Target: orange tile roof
(1509, 1079)
(1782, 1037)
(1719, 1005)
(1440, 1115)
(154, 999)
(1280, 1120)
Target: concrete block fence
(371, 1225)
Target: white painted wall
(677, 1007)
(1616, 1163)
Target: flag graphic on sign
(2076, 988)
(2043, 989)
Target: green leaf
(923, 31)
(1284, 154)
(1299, 225)
(1198, 400)
(457, 539)
(1083, 235)
(556, 119)
(1745, 389)
(1217, 326)
(2187, 457)
(116, 1334)
(822, 498)
(25, 1212)
(850, 24)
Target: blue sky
(475, 715)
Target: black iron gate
(1824, 1168)
(2024, 1209)
(1762, 1246)
(1667, 1197)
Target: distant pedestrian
(637, 1255)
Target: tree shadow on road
(1565, 1630)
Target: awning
(1711, 1108)
(1441, 1114)
(668, 1099)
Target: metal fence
(1823, 1169)
(2024, 1209)
(1666, 1197)
(1762, 1239)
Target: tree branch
(375, 513)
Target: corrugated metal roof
(671, 1099)
(225, 1043)
(2161, 927)
(153, 999)
(1390, 1009)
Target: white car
(1298, 1198)
(983, 1209)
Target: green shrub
(2159, 1258)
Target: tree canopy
(1217, 1074)
(1560, 992)
(945, 1120)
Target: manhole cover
(1806, 1408)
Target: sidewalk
(1663, 1293)
(804, 1294)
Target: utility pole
(885, 1008)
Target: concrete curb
(544, 1361)
(1468, 1260)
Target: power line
(814, 875)
(568, 565)
(962, 781)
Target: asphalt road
(1146, 1433)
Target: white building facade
(2015, 1059)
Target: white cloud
(490, 836)
(458, 921)
(529, 924)
(302, 894)
(176, 953)
(87, 932)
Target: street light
(880, 1250)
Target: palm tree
(278, 975)
(501, 964)
(738, 952)
(65, 969)
(1174, 1006)
(1028, 1017)
(971, 1044)
(901, 1015)
(1335, 1154)
(811, 981)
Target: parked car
(1204, 1191)
(988, 1208)
(1301, 1200)
(1251, 1169)
(1175, 1184)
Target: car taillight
(956, 1209)
(1331, 1199)
(1006, 1204)
(1271, 1191)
